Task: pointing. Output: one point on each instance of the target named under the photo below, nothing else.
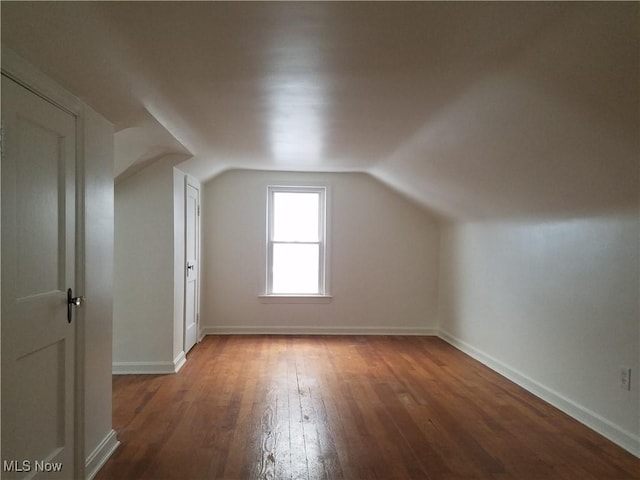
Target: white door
(192, 268)
(38, 262)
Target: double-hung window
(296, 240)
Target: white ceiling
(474, 110)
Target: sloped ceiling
(142, 141)
(474, 110)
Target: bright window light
(296, 243)
(295, 268)
(296, 216)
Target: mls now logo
(29, 466)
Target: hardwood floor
(325, 407)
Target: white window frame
(323, 295)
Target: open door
(38, 266)
(192, 238)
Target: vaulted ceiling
(474, 110)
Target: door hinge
(1, 141)
(198, 210)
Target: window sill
(295, 298)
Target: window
(296, 249)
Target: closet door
(38, 265)
(193, 263)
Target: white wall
(99, 437)
(554, 306)
(384, 259)
(149, 269)
(144, 290)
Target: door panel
(38, 218)
(38, 262)
(191, 286)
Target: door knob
(72, 302)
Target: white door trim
(24, 73)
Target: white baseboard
(298, 330)
(149, 368)
(619, 436)
(201, 335)
(179, 362)
(101, 454)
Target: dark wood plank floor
(292, 407)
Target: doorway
(192, 270)
(39, 401)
